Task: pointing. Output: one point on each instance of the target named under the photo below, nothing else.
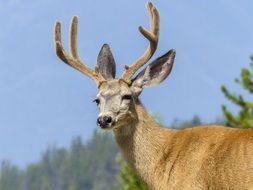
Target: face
(115, 101)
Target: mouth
(105, 127)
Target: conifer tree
(244, 118)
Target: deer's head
(116, 98)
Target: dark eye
(126, 97)
(97, 101)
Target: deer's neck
(141, 142)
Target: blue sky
(44, 102)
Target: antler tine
(73, 59)
(152, 36)
(73, 37)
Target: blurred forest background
(97, 164)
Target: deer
(197, 158)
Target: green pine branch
(244, 118)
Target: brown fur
(203, 157)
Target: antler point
(127, 67)
(140, 28)
(74, 19)
(149, 4)
(57, 26)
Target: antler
(152, 36)
(73, 59)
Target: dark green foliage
(244, 118)
(11, 178)
(83, 166)
(128, 180)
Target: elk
(202, 157)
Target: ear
(105, 63)
(155, 72)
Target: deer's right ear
(155, 72)
(105, 63)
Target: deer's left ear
(105, 63)
(155, 72)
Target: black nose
(104, 121)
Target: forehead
(113, 87)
